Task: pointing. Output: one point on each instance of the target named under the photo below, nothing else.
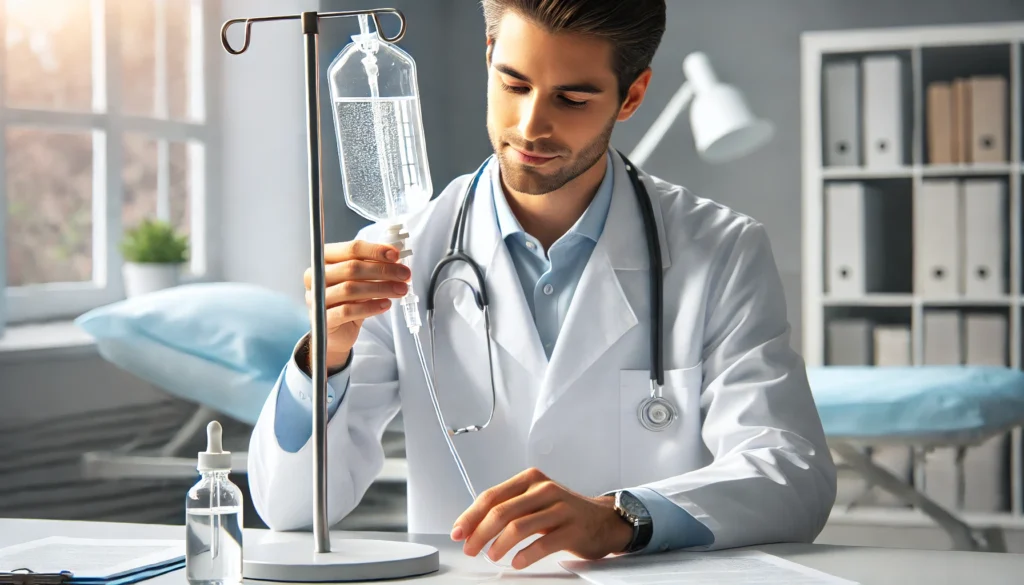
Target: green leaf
(154, 241)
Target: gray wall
(753, 44)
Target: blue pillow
(222, 345)
(921, 402)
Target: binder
(985, 475)
(849, 342)
(841, 81)
(940, 122)
(942, 338)
(988, 126)
(883, 111)
(985, 337)
(892, 348)
(937, 238)
(854, 254)
(892, 345)
(984, 202)
(961, 121)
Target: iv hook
(248, 25)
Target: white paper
(716, 568)
(89, 557)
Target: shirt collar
(589, 225)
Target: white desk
(868, 566)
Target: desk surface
(868, 566)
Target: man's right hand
(360, 279)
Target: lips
(531, 158)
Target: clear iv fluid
(213, 542)
(379, 141)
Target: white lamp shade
(723, 126)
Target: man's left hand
(530, 503)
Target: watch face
(633, 506)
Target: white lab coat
(747, 457)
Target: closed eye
(572, 103)
(514, 89)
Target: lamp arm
(657, 131)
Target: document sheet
(718, 568)
(90, 557)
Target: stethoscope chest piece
(656, 413)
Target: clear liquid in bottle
(213, 546)
(213, 519)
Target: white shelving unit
(931, 53)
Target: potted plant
(154, 255)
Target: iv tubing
(447, 435)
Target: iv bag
(379, 127)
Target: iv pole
(361, 559)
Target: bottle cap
(215, 458)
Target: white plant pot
(146, 277)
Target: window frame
(109, 125)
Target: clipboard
(81, 561)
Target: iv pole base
(349, 560)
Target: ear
(635, 95)
(488, 50)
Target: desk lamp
(354, 559)
(723, 126)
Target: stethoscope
(655, 412)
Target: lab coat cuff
(293, 417)
(674, 527)
(300, 384)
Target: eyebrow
(572, 88)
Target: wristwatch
(632, 510)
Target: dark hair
(634, 27)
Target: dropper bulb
(214, 438)
(215, 457)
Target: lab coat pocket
(644, 455)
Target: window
(103, 122)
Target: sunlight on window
(49, 206)
(180, 199)
(140, 179)
(138, 57)
(49, 54)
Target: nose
(534, 120)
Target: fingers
(359, 260)
(354, 291)
(504, 514)
(338, 316)
(540, 522)
(359, 270)
(467, 522)
(561, 538)
(359, 250)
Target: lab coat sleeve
(294, 417)
(772, 478)
(280, 474)
(673, 526)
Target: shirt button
(544, 447)
(530, 245)
(330, 399)
(548, 289)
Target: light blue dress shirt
(549, 280)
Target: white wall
(265, 212)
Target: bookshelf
(926, 55)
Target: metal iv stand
(357, 559)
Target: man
(556, 228)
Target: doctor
(556, 228)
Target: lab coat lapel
(600, 312)
(512, 325)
